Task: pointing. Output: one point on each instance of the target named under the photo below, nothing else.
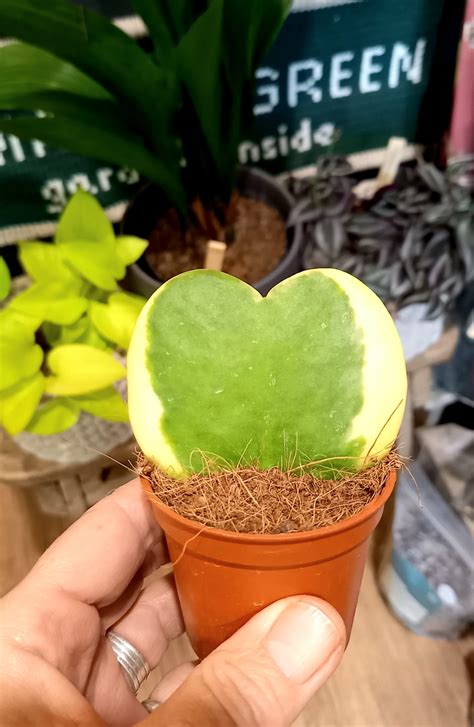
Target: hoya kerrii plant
(61, 338)
(175, 114)
(294, 377)
(266, 425)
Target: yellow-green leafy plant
(5, 279)
(61, 338)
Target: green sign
(36, 181)
(343, 76)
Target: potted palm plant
(176, 115)
(412, 243)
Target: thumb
(265, 673)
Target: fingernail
(301, 640)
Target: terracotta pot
(223, 578)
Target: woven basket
(65, 490)
(80, 444)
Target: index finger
(97, 557)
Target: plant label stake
(215, 253)
(392, 159)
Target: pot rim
(280, 538)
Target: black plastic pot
(144, 210)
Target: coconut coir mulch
(271, 501)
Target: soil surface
(258, 246)
(270, 501)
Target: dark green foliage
(413, 243)
(101, 95)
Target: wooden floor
(389, 677)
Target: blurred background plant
(412, 243)
(62, 339)
(176, 115)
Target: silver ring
(132, 661)
(150, 705)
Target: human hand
(58, 667)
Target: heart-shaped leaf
(79, 369)
(19, 403)
(313, 371)
(53, 417)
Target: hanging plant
(413, 243)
